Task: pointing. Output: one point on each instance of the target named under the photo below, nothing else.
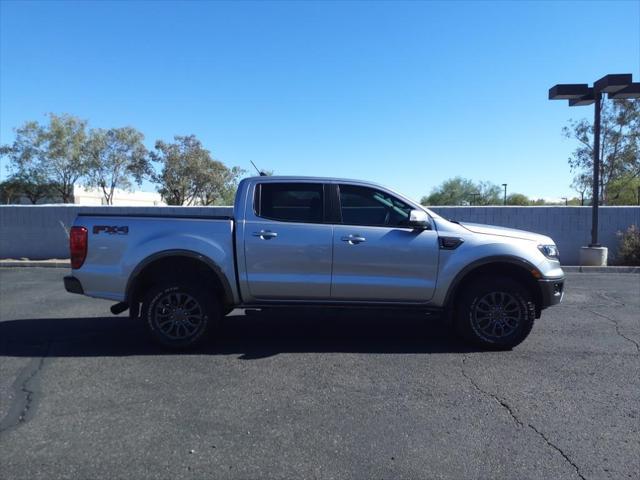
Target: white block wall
(40, 231)
(569, 227)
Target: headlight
(549, 251)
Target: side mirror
(418, 219)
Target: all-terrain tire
(179, 316)
(494, 313)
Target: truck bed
(117, 244)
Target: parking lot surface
(317, 394)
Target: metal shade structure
(616, 86)
(613, 83)
(586, 99)
(568, 91)
(631, 91)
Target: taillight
(78, 246)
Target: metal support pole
(505, 194)
(596, 170)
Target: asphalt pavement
(317, 394)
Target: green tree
(462, 191)
(10, 191)
(190, 176)
(117, 159)
(619, 150)
(222, 185)
(51, 154)
(518, 199)
(538, 202)
(624, 190)
(183, 164)
(582, 183)
(30, 186)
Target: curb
(35, 263)
(612, 269)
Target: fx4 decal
(111, 230)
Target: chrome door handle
(353, 239)
(265, 234)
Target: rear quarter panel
(111, 258)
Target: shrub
(629, 247)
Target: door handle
(353, 239)
(265, 234)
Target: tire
(180, 316)
(494, 313)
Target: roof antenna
(260, 172)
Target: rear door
(376, 256)
(287, 244)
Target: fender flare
(140, 267)
(470, 268)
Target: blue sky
(405, 94)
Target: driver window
(366, 206)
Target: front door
(376, 256)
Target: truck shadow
(250, 334)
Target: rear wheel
(496, 313)
(180, 316)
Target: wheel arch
(187, 263)
(502, 266)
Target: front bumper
(551, 290)
(73, 285)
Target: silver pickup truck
(324, 242)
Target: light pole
(566, 202)
(505, 194)
(617, 86)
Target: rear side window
(291, 202)
(366, 206)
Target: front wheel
(495, 313)
(180, 316)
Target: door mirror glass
(418, 219)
